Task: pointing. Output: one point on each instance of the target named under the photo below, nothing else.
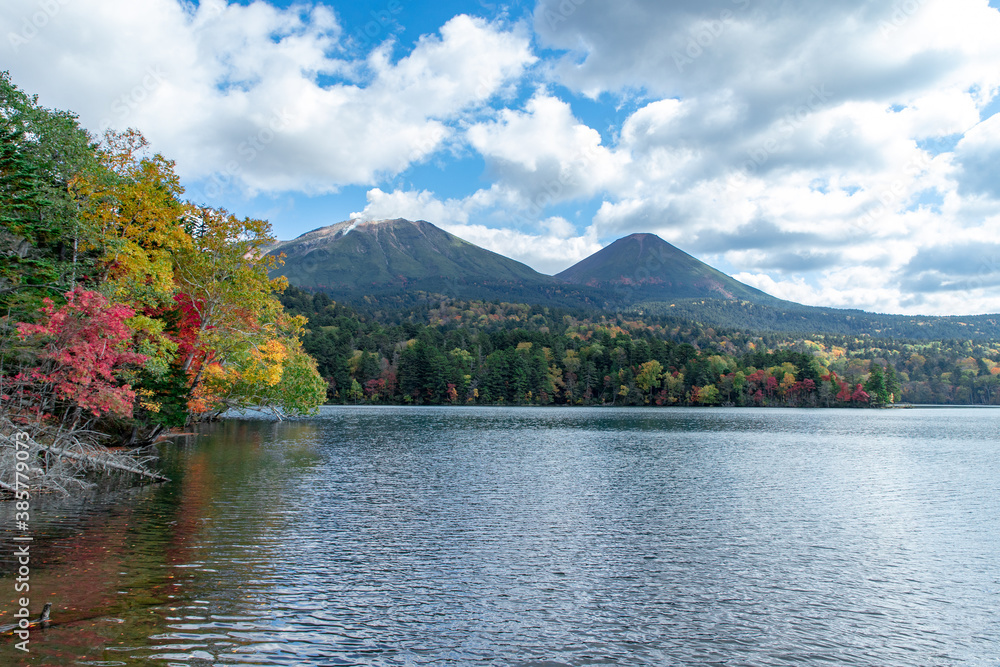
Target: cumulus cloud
(838, 153)
(416, 205)
(861, 288)
(757, 234)
(953, 267)
(769, 87)
(263, 97)
(544, 153)
(765, 49)
(549, 252)
(978, 154)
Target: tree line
(452, 352)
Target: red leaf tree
(83, 347)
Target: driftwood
(42, 621)
(107, 460)
(58, 460)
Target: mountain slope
(397, 262)
(644, 267)
(352, 255)
(396, 265)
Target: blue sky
(836, 154)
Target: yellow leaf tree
(237, 343)
(131, 202)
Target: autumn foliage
(84, 350)
(155, 312)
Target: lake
(536, 536)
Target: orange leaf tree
(239, 348)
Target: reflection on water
(395, 536)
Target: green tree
(423, 372)
(355, 393)
(649, 376)
(892, 385)
(707, 395)
(875, 386)
(41, 152)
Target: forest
(477, 352)
(800, 320)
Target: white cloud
(978, 154)
(238, 90)
(862, 288)
(422, 205)
(547, 253)
(766, 49)
(559, 227)
(544, 153)
(821, 150)
(467, 65)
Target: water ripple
(538, 537)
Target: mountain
(644, 267)
(354, 260)
(643, 275)
(392, 252)
(393, 265)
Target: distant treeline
(799, 320)
(460, 352)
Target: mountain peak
(390, 222)
(645, 243)
(652, 269)
(364, 255)
(353, 223)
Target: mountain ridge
(398, 264)
(394, 252)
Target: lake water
(454, 536)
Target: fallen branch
(59, 459)
(105, 460)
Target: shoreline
(258, 415)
